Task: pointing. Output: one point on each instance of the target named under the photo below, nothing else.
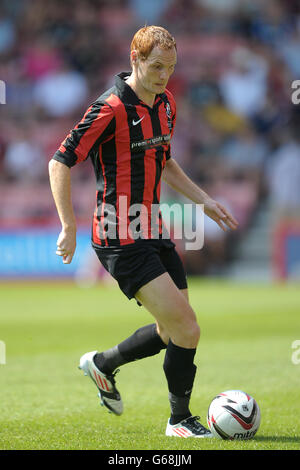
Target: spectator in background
(211, 259)
(2, 153)
(290, 52)
(18, 87)
(149, 12)
(284, 175)
(244, 85)
(7, 33)
(203, 90)
(246, 152)
(221, 6)
(40, 59)
(272, 25)
(183, 16)
(24, 160)
(61, 92)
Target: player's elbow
(54, 166)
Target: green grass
(46, 403)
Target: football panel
(217, 428)
(233, 415)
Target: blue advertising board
(31, 253)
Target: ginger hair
(148, 37)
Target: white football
(233, 415)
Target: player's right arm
(97, 124)
(60, 182)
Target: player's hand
(220, 215)
(66, 244)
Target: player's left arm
(178, 180)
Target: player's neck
(145, 96)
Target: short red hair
(148, 37)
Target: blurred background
(237, 131)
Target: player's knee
(190, 325)
(197, 332)
(188, 333)
(194, 332)
(163, 333)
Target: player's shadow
(277, 438)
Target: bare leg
(170, 307)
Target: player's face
(153, 73)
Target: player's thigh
(171, 309)
(185, 292)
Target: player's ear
(133, 57)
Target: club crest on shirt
(168, 110)
(169, 115)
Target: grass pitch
(47, 403)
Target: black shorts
(135, 265)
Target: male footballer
(126, 133)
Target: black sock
(144, 342)
(180, 372)
(179, 408)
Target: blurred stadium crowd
(237, 131)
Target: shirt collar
(126, 92)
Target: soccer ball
(233, 415)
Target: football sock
(144, 342)
(179, 408)
(180, 372)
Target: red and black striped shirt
(129, 144)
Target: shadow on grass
(277, 438)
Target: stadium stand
(236, 129)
